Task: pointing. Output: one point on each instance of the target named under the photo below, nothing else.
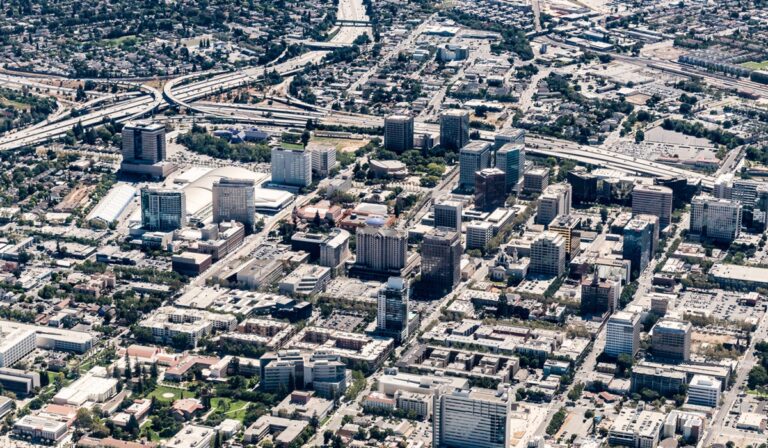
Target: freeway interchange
(188, 92)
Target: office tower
(474, 418)
(392, 309)
(536, 180)
(335, 248)
(653, 221)
(323, 160)
(599, 296)
(704, 390)
(547, 255)
(473, 157)
(509, 136)
(717, 219)
(637, 245)
(510, 159)
(623, 334)
(380, 249)
(143, 142)
(454, 129)
(760, 212)
(584, 186)
(479, 234)
(567, 225)
(291, 167)
(234, 200)
(163, 210)
(653, 200)
(441, 261)
(745, 191)
(398, 133)
(448, 215)
(490, 189)
(723, 188)
(553, 202)
(15, 344)
(671, 340)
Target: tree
(623, 364)
(84, 419)
(132, 426)
(305, 136)
(603, 215)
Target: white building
(291, 167)
(717, 219)
(479, 234)
(15, 343)
(548, 255)
(623, 334)
(473, 418)
(704, 390)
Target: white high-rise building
(473, 157)
(653, 200)
(717, 219)
(479, 234)
(473, 418)
(553, 202)
(622, 334)
(323, 160)
(380, 249)
(548, 255)
(15, 344)
(234, 200)
(291, 167)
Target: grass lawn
(287, 145)
(758, 393)
(117, 41)
(234, 409)
(160, 391)
(341, 144)
(756, 65)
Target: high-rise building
(454, 129)
(584, 186)
(599, 296)
(144, 150)
(448, 215)
(474, 418)
(490, 189)
(536, 180)
(381, 250)
(291, 167)
(509, 136)
(637, 245)
(143, 142)
(553, 202)
(760, 212)
(745, 191)
(567, 225)
(717, 219)
(398, 133)
(234, 200)
(393, 308)
(671, 340)
(163, 210)
(473, 157)
(653, 221)
(441, 261)
(510, 159)
(479, 234)
(15, 344)
(622, 334)
(323, 160)
(653, 200)
(547, 255)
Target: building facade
(235, 200)
(163, 210)
(398, 133)
(441, 261)
(454, 129)
(291, 167)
